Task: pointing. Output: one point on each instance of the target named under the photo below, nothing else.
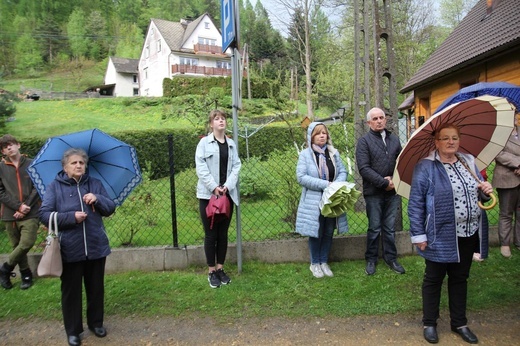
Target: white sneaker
(316, 270)
(477, 258)
(326, 269)
(505, 251)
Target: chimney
(491, 4)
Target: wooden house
(484, 47)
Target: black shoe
(370, 269)
(465, 334)
(100, 332)
(5, 276)
(27, 279)
(74, 340)
(430, 334)
(396, 267)
(224, 279)
(213, 279)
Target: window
(136, 92)
(188, 61)
(147, 52)
(208, 41)
(206, 25)
(145, 71)
(152, 32)
(223, 64)
(135, 78)
(159, 45)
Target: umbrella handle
(490, 206)
(492, 195)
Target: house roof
(176, 33)
(478, 37)
(124, 65)
(407, 103)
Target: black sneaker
(214, 280)
(396, 267)
(370, 269)
(224, 279)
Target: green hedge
(152, 146)
(190, 85)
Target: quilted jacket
(307, 216)
(432, 213)
(78, 241)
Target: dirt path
(495, 328)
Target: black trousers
(458, 274)
(215, 239)
(91, 273)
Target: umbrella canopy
(485, 124)
(502, 89)
(110, 160)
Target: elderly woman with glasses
(446, 226)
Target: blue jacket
(78, 241)
(432, 213)
(307, 216)
(375, 160)
(207, 164)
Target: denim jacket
(207, 164)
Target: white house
(177, 48)
(122, 74)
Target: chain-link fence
(163, 211)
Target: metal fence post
(172, 192)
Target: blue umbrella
(110, 160)
(502, 89)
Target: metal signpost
(230, 38)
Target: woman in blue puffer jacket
(318, 165)
(81, 202)
(446, 226)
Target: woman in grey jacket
(217, 165)
(318, 165)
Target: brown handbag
(50, 264)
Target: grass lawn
(274, 290)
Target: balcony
(208, 49)
(203, 70)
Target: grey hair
(369, 114)
(73, 151)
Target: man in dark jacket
(376, 155)
(19, 212)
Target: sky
(277, 13)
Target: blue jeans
(320, 247)
(381, 213)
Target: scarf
(322, 161)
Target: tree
(7, 107)
(453, 11)
(130, 39)
(303, 13)
(28, 56)
(77, 34)
(97, 34)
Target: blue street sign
(227, 15)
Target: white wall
(157, 64)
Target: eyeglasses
(446, 139)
